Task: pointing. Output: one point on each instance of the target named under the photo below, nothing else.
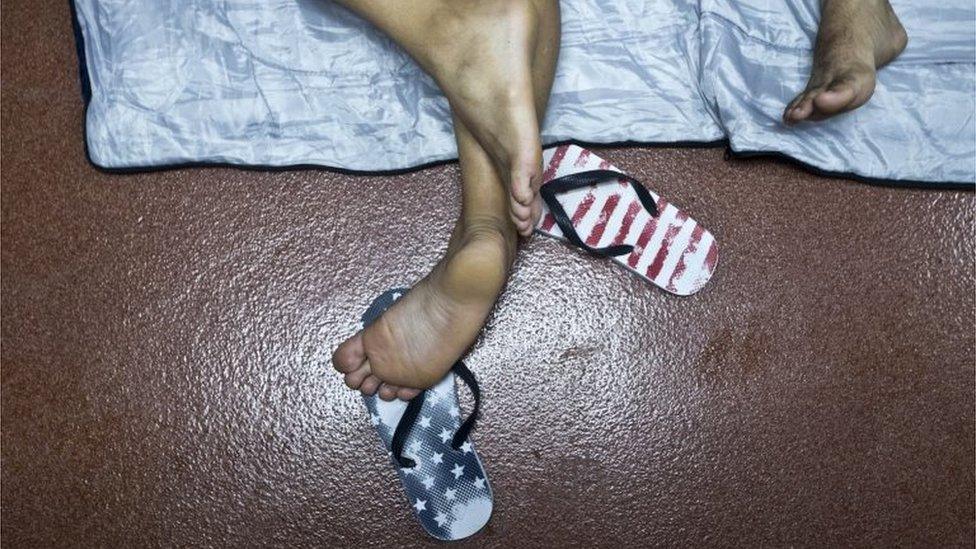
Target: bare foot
(480, 53)
(415, 342)
(856, 37)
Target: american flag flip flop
(427, 442)
(595, 206)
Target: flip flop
(595, 206)
(428, 444)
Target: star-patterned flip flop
(428, 444)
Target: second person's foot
(856, 37)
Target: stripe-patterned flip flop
(595, 206)
(428, 444)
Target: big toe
(844, 94)
(800, 108)
(349, 355)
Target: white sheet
(291, 82)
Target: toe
(536, 213)
(355, 378)
(522, 190)
(524, 228)
(834, 100)
(370, 385)
(521, 217)
(520, 211)
(525, 181)
(387, 391)
(349, 355)
(800, 108)
(407, 393)
(844, 94)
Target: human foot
(413, 345)
(480, 54)
(856, 37)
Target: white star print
(424, 422)
(415, 446)
(375, 419)
(454, 411)
(360, 326)
(396, 295)
(428, 482)
(441, 518)
(479, 482)
(466, 447)
(445, 435)
(458, 470)
(437, 458)
(449, 494)
(420, 505)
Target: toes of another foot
(800, 108)
(842, 94)
(370, 385)
(349, 355)
(363, 380)
(525, 217)
(535, 213)
(845, 94)
(354, 379)
(388, 391)
(522, 191)
(525, 180)
(526, 206)
(350, 360)
(406, 393)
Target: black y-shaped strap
(464, 430)
(403, 430)
(585, 179)
(410, 415)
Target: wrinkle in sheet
(286, 82)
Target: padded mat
(305, 82)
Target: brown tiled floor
(166, 343)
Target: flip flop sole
(448, 489)
(672, 251)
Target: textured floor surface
(166, 341)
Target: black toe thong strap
(403, 428)
(410, 415)
(584, 179)
(464, 430)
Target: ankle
(490, 232)
(476, 269)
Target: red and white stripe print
(672, 251)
